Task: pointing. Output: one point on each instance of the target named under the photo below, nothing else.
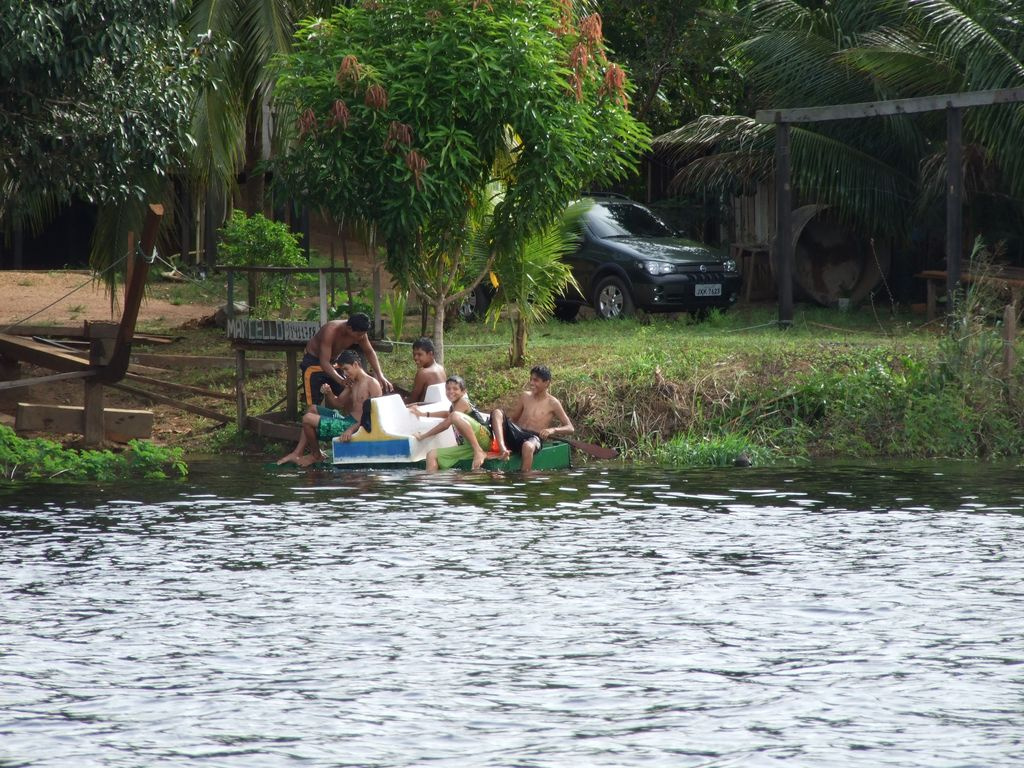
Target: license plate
(707, 289)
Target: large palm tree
(884, 172)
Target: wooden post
(291, 385)
(115, 369)
(1009, 337)
(185, 223)
(240, 388)
(783, 225)
(333, 286)
(230, 309)
(954, 206)
(348, 270)
(378, 321)
(323, 297)
(129, 263)
(92, 427)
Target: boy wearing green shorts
(471, 425)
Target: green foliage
(393, 305)
(721, 450)
(407, 130)
(361, 302)
(95, 96)
(45, 459)
(971, 351)
(405, 113)
(532, 275)
(255, 241)
(680, 54)
(884, 174)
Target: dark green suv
(629, 259)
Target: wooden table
(1010, 279)
(755, 265)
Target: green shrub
(715, 451)
(394, 306)
(38, 458)
(255, 241)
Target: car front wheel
(612, 299)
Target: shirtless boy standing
(342, 418)
(526, 425)
(327, 344)
(428, 370)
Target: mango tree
(404, 112)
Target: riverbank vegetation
(39, 458)
(872, 382)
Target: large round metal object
(831, 261)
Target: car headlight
(658, 267)
(729, 265)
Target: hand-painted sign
(270, 331)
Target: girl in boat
(471, 425)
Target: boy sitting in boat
(468, 422)
(342, 415)
(428, 370)
(524, 427)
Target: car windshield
(625, 220)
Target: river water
(835, 615)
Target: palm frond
(864, 189)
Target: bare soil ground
(69, 298)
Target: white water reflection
(610, 617)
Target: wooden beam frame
(891, 107)
(952, 103)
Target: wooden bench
(1010, 279)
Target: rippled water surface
(830, 616)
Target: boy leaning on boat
(323, 350)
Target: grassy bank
(667, 389)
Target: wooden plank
(181, 387)
(179, 362)
(891, 107)
(43, 355)
(954, 203)
(92, 423)
(280, 270)
(67, 331)
(180, 405)
(119, 424)
(31, 382)
(78, 332)
(783, 226)
(267, 428)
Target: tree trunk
(439, 330)
(517, 353)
